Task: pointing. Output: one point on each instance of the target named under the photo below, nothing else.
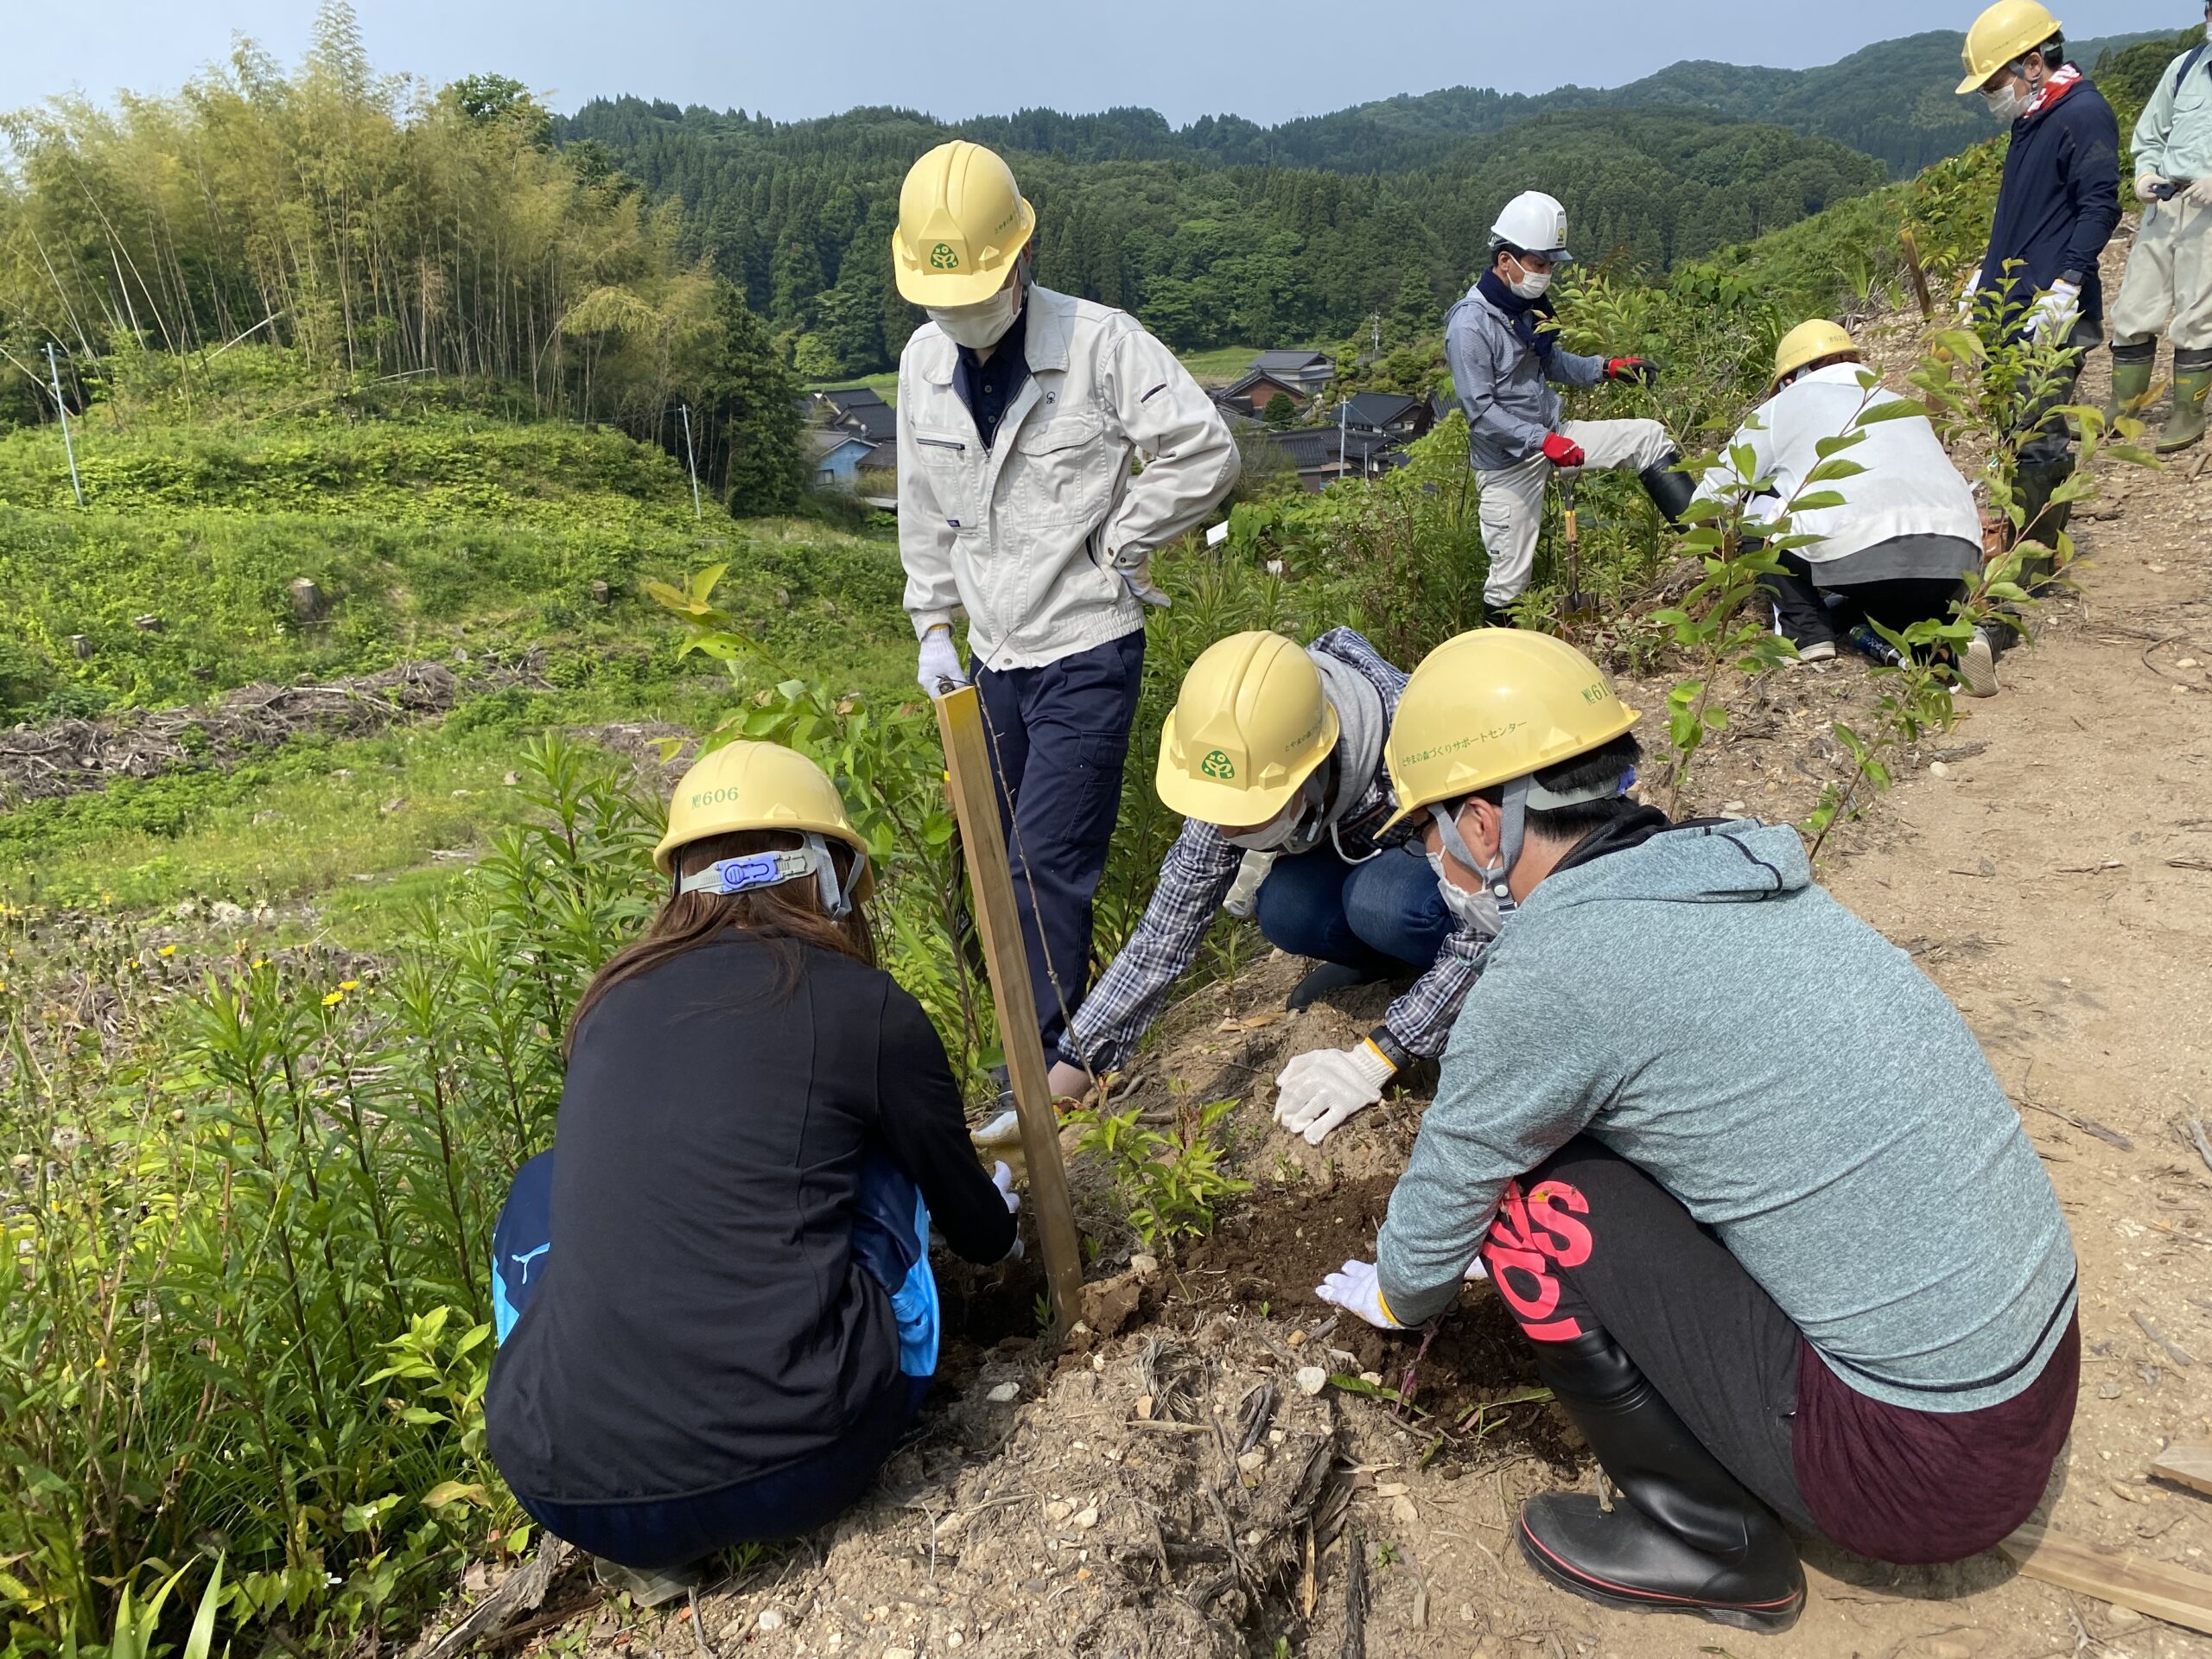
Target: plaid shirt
(1196, 875)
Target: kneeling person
(1276, 750)
(1718, 1246)
(1907, 535)
(713, 1298)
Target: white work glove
(1244, 896)
(1966, 294)
(2199, 194)
(1322, 1088)
(940, 662)
(1355, 1288)
(2052, 317)
(1002, 1179)
(1134, 568)
(2144, 182)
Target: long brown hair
(787, 915)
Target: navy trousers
(1059, 736)
(1383, 913)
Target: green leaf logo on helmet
(941, 257)
(1217, 764)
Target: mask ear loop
(1512, 822)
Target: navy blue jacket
(2060, 199)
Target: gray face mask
(1476, 910)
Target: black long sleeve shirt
(703, 1318)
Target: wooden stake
(2189, 1465)
(2173, 1593)
(982, 841)
(1919, 276)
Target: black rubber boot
(1330, 976)
(1670, 491)
(2041, 523)
(1689, 1538)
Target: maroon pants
(1588, 1240)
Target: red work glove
(1562, 451)
(1631, 368)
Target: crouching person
(1772, 1304)
(1278, 751)
(1900, 547)
(713, 1295)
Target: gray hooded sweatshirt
(1698, 1006)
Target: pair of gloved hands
(2053, 313)
(2196, 193)
(1564, 452)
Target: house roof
(1294, 362)
(844, 399)
(1311, 449)
(1238, 388)
(1376, 409)
(874, 421)
(827, 442)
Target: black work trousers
(1803, 615)
(1588, 1240)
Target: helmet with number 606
(748, 785)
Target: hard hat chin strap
(1518, 795)
(1512, 824)
(773, 868)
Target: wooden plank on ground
(2191, 1465)
(2173, 1593)
(982, 841)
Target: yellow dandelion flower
(334, 998)
(261, 962)
(167, 950)
(349, 984)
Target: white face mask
(1294, 829)
(977, 327)
(1533, 284)
(2006, 102)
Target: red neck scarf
(2059, 82)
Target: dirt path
(1161, 1489)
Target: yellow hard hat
(1809, 342)
(962, 224)
(1248, 727)
(2005, 33)
(1492, 705)
(746, 786)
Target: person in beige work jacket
(1019, 412)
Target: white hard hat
(1534, 223)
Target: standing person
(1725, 1254)
(1502, 342)
(2056, 207)
(1019, 412)
(713, 1298)
(1907, 533)
(2170, 268)
(1277, 750)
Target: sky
(1184, 58)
